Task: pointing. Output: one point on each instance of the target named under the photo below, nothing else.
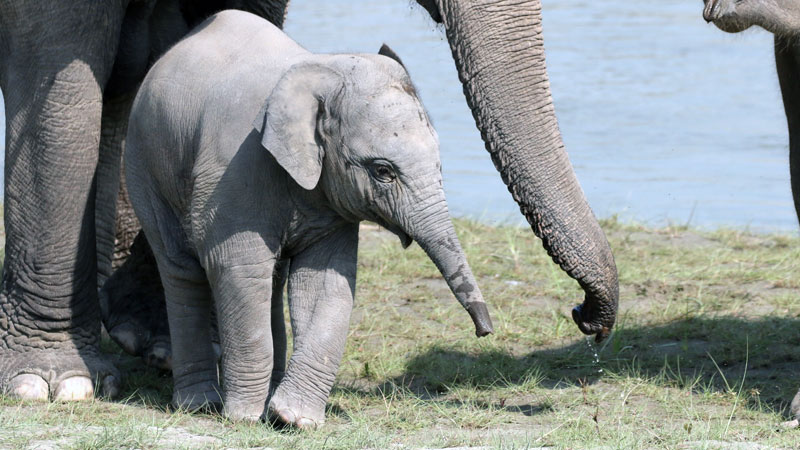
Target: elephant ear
(290, 117)
(389, 53)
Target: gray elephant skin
(69, 72)
(336, 139)
(782, 18)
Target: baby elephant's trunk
(434, 232)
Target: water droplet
(596, 362)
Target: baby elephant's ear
(389, 53)
(289, 119)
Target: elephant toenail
(127, 339)
(111, 386)
(159, 357)
(287, 416)
(28, 387)
(74, 388)
(305, 423)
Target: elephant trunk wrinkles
(499, 54)
(434, 232)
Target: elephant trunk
(499, 54)
(433, 230)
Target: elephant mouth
(405, 239)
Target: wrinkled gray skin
(782, 18)
(68, 72)
(339, 139)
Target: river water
(667, 120)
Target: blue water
(666, 119)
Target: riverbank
(704, 355)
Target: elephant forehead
(395, 114)
(392, 101)
(404, 146)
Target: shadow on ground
(702, 354)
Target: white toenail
(74, 388)
(28, 387)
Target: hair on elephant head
(354, 126)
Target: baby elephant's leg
(321, 288)
(242, 284)
(189, 302)
(194, 362)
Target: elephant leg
(53, 67)
(239, 275)
(133, 308)
(787, 61)
(321, 289)
(189, 304)
(109, 185)
(279, 278)
(188, 301)
(132, 299)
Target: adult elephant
(68, 72)
(782, 18)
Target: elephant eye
(382, 172)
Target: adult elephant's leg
(499, 53)
(132, 299)
(133, 308)
(279, 278)
(55, 59)
(787, 59)
(114, 237)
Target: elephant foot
(293, 410)
(57, 374)
(133, 307)
(244, 410)
(199, 397)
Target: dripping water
(593, 348)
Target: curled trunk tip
(480, 317)
(588, 323)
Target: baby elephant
(245, 149)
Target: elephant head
(781, 17)
(353, 127)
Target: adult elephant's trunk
(431, 227)
(499, 54)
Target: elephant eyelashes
(382, 172)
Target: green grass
(704, 353)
